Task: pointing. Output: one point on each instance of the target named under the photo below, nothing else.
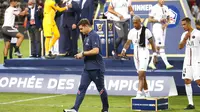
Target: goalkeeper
(49, 25)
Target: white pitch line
(31, 99)
(68, 106)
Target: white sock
(188, 89)
(147, 94)
(164, 57)
(139, 94)
(152, 58)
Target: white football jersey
(121, 6)
(159, 13)
(192, 50)
(9, 16)
(134, 35)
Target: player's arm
(111, 10)
(21, 13)
(130, 8)
(56, 7)
(92, 52)
(152, 20)
(151, 41)
(184, 41)
(126, 46)
(150, 38)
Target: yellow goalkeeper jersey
(50, 9)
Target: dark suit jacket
(72, 15)
(88, 9)
(38, 17)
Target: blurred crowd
(66, 22)
(195, 8)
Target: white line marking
(68, 106)
(31, 99)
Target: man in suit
(87, 10)
(69, 31)
(34, 26)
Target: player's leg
(11, 50)
(197, 74)
(164, 58)
(48, 35)
(98, 77)
(144, 66)
(141, 75)
(189, 92)
(162, 50)
(12, 32)
(7, 39)
(120, 32)
(84, 83)
(143, 63)
(56, 36)
(124, 39)
(146, 90)
(154, 61)
(6, 48)
(187, 75)
(137, 64)
(20, 38)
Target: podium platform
(154, 104)
(71, 62)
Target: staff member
(34, 26)
(94, 67)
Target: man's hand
(123, 53)
(131, 13)
(163, 21)
(69, 5)
(164, 26)
(26, 9)
(78, 56)
(121, 17)
(187, 35)
(73, 26)
(39, 7)
(155, 60)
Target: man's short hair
(187, 19)
(136, 17)
(33, 1)
(197, 22)
(84, 22)
(14, 0)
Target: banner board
(68, 84)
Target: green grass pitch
(23, 102)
